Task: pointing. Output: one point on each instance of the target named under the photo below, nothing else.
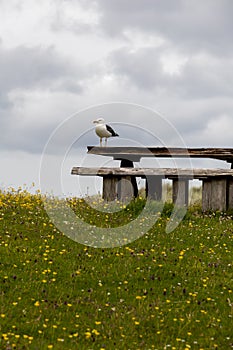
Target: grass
(163, 291)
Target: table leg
(154, 187)
(109, 188)
(180, 191)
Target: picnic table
(120, 182)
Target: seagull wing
(108, 127)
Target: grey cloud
(199, 77)
(204, 26)
(27, 68)
(25, 71)
(209, 78)
(69, 85)
(142, 68)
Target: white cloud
(75, 16)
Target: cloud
(35, 67)
(191, 27)
(142, 68)
(74, 16)
(36, 87)
(205, 76)
(198, 76)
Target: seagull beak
(94, 121)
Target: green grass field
(162, 291)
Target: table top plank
(163, 152)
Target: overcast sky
(61, 57)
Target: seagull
(103, 130)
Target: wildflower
(87, 334)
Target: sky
(159, 71)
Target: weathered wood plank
(109, 188)
(139, 152)
(154, 187)
(143, 172)
(230, 193)
(218, 191)
(180, 191)
(214, 194)
(206, 194)
(125, 189)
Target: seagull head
(99, 121)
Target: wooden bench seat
(119, 183)
(141, 172)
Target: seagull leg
(105, 141)
(100, 141)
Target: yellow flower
(88, 335)
(95, 332)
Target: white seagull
(103, 130)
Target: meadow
(162, 291)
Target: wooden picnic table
(120, 182)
